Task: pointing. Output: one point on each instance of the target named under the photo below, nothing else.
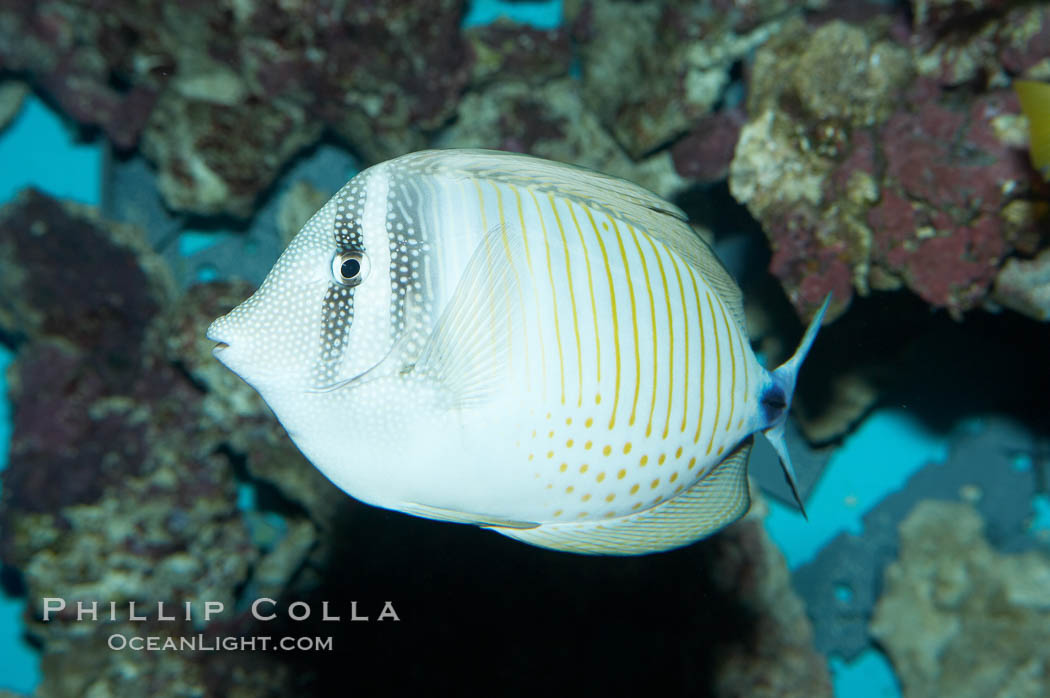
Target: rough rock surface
(122, 482)
(552, 121)
(880, 177)
(223, 94)
(960, 619)
(781, 660)
(675, 56)
(12, 93)
(1024, 286)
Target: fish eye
(350, 268)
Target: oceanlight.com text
(202, 643)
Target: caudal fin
(776, 400)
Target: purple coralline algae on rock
(221, 96)
(868, 172)
(121, 486)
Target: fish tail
(776, 399)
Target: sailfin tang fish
(495, 339)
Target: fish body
(495, 339)
(1035, 103)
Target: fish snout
(218, 332)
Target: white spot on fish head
(271, 339)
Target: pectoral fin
(466, 356)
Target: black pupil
(350, 268)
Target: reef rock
(552, 121)
(505, 50)
(122, 483)
(960, 619)
(224, 94)
(12, 93)
(780, 660)
(871, 179)
(1024, 286)
(651, 69)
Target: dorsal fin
(617, 197)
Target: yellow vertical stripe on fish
(732, 361)
(554, 290)
(614, 315)
(594, 306)
(718, 372)
(528, 260)
(572, 293)
(510, 260)
(652, 314)
(681, 293)
(670, 343)
(703, 360)
(634, 320)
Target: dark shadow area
(939, 369)
(509, 619)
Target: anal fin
(716, 500)
(453, 516)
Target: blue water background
(37, 150)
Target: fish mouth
(214, 335)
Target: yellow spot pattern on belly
(589, 422)
(569, 489)
(621, 474)
(643, 461)
(558, 512)
(627, 448)
(674, 476)
(585, 497)
(634, 489)
(661, 459)
(654, 484)
(692, 462)
(583, 468)
(607, 450)
(587, 445)
(609, 497)
(678, 453)
(563, 467)
(601, 476)
(569, 443)
(550, 454)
